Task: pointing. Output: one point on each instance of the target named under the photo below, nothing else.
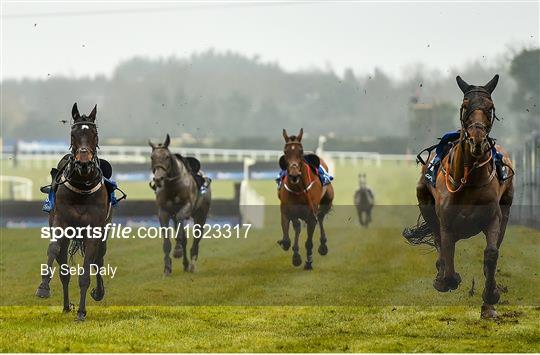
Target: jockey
(106, 170)
(442, 148)
(324, 176)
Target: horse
(178, 198)
(81, 200)
(364, 202)
(467, 197)
(303, 197)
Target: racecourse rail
(37, 151)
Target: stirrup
(45, 189)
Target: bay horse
(468, 198)
(178, 198)
(364, 202)
(303, 197)
(81, 200)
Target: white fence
(36, 152)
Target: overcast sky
(85, 39)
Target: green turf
(269, 329)
(246, 296)
(372, 292)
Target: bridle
(165, 168)
(467, 108)
(68, 170)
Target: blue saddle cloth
(324, 176)
(442, 149)
(110, 185)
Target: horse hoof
(97, 295)
(81, 316)
(285, 244)
(69, 308)
(186, 267)
(43, 292)
(447, 284)
(308, 266)
(491, 298)
(191, 268)
(167, 271)
(488, 312)
(177, 254)
(296, 260)
(323, 249)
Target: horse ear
(92, 116)
(167, 141)
(151, 144)
(299, 137)
(75, 112)
(492, 84)
(285, 135)
(462, 84)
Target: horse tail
(421, 233)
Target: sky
(43, 38)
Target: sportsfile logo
(117, 231)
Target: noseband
(165, 168)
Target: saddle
(194, 167)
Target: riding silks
(106, 169)
(442, 149)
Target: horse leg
(311, 223)
(84, 278)
(164, 222)
(185, 260)
(296, 258)
(178, 250)
(491, 295)
(62, 259)
(98, 292)
(53, 251)
(450, 279)
(323, 248)
(199, 220)
(426, 204)
(286, 241)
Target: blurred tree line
(225, 98)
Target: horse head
(477, 114)
(294, 156)
(161, 160)
(84, 141)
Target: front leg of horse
(178, 249)
(84, 280)
(62, 259)
(491, 295)
(296, 258)
(164, 222)
(183, 241)
(98, 292)
(285, 242)
(53, 251)
(312, 222)
(447, 278)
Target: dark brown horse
(364, 202)
(303, 197)
(468, 197)
(81, 201)
(178, 198)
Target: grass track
(269, 329)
